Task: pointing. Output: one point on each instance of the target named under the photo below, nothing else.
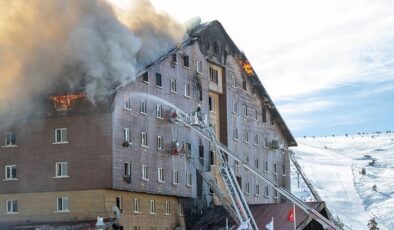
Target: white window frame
(233, 82)
(159, 111)
(9, 168)
(144, 139)
(245, 111)
(189, 179)
(120, 202)
(187, 90)
(256, 140)
(275, 194)
(160, 175)
(8, 139)
(127, 168)
(212, 108)
(235, 107)
(143, 107)
(167, 208)
(10, 208)
(159, 142)
(144, 172)
(127, 103)
(152, 207)
(257, 190)
(62, 131)
(199, 67)
(175, 177)
(188, 61)
(235, 134)
(275, 169)
(247, 188)
(136, 206)
(126, 134)
(246, 136)
(65, 201)
(180, 209)
(173, 85)
(63, 166)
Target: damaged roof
(211, 34)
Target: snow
(333, 165)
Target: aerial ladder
(314, 192)
(199, 123)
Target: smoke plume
(48, 46)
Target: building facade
(76, 160)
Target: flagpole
(295, 220)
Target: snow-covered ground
(333, 165)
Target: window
(244, 84)
(61, 169)
(272, 119)
(266, 142)
(145, 77)
(10, 139)
(211, 103)
(173, 57)
(236, 163)
(256, 163)
(126, 134)
(199, 66)
(186, 61)
(264, 114)
(283, 170)
(62, 204)
(246, 136)
(180, 209)
(256, 139)
(265, 166)
(143, 106)
(257, 191)
(11, 206)
(233, 82)
(61, 135)
(119, 202)
(175, 177)
(188, 179)
(159, 141)
(255, 115)
(159, 112)
(158, 80)
(127, 103)
(10, 172)
(168, 208)
(127, 168)
(137, 205)
(152, 207)
(160, 176)
(275, 169)
(199, 95)
(244, 111)
(275, 194)
(144, 139)
(187, 147)
(235, 134)
(145, 172)
(201, 151)
(213, 76)
(235, 107)
(247, 190)
(187, 90)
(267, 191)
(252, 91)
(173, 85)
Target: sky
(327, 65)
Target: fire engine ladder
(314, 192)
(307, 209)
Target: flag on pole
(270, 225)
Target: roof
(215, 31)
(216, 217)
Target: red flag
(290, 215)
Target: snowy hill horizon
(353, 174)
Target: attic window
(216, 47)
(244, 84)
(186, 61)
(145, 77)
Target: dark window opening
(244, 84)
(158, 80)
(186, 61)
(145, 77)
(264, 115)
(201, 151)
(173, 57)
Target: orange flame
(63, 102)
(247, 67)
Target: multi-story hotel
(74, 160)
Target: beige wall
(87, 205)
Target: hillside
(334, 164)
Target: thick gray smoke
(48, 46)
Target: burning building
(75, 160)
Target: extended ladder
(205, 132)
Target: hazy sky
(328, 65)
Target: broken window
(186, 61)
(145, 77)
(10, 139)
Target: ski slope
(333, 164)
